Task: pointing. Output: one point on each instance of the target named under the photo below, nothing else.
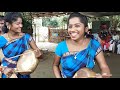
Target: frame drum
(27, 62)
(85, 73)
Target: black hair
(1, 17)
(82, 18)
(11, 17)
(5, 29)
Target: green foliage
(27, 23)
(45, 21)
(64, 20)
(114, 20)
(54, 21)
(50, 22)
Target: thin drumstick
(20, 55)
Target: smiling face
(76, 29)
(16, 26)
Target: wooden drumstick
(20, 55)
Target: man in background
(2, 23)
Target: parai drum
(85, 73)
(27, 62)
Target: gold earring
(8, 27)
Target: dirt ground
(44, 69)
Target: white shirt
(115, 37)
(118, 49)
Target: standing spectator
(2, 23)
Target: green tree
(45, 21)
(54, 23)
(114, 20)
(50, 21)
(27, 22)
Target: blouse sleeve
(29, 37)
(58, 50)
(99, 50)
(3, 41)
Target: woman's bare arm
(34, 47)
(56, 68)
(105, 71)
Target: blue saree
(14, 48)
(71, 62)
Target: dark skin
(1, 26)
(76, 30)
(15, 33)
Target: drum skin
(27, 62)
(85, 73)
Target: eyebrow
(75, 24)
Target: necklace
(10, 39)
(76, 54)
(75, 57)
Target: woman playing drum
(14, 43)
(79, 51)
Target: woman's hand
(103, 75)
(106, 75)
(0, 68)
(8, 71)
(35, 48)
(38, 53)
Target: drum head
(85, 73)
(27, 63)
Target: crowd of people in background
(110, 40)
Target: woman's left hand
(38, 53)
(106, 75)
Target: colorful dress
(71, 62)
(14, 48)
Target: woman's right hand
(8, 71)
